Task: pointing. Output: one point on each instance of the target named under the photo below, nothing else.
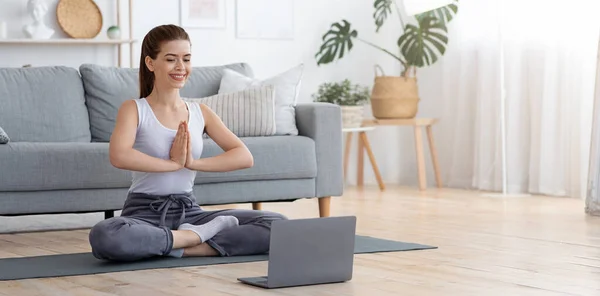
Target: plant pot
(352, 116)
(394, 97)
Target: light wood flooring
(487, 246)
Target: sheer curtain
(550, 50)
(592, 204)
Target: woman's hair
(151, 47)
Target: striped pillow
(247, 113)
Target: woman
(159, 138)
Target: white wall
(396, 158)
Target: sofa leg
(324, 206)
(257, 206)
(109, 214)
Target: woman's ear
(149, 63)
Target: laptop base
(262, 282)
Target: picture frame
(203, 13)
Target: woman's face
(172, 65)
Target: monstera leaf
(421, 45)
(443, 14)
(336, 42)
(382, 9)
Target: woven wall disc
(79, 18)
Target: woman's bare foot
(201, 250)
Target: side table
(417, 124)
(363, 144)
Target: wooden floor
(487, 246)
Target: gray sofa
(59, 121)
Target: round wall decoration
(79, 18)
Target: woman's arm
(236, 155)
(121, 152)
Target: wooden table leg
(347, 153)
(420, 158)
(360, 166)
(434, 158)
(367, 145)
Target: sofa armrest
(322, 122)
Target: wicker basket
(394, 97)
(81, 19)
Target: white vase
(352, 116)
(114, 32)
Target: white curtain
(550, 49)
(592, 204)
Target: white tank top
(155, 139)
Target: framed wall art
(202, 13)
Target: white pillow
(247, 113)
(287, 87)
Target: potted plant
(350, 97)
(421, 44)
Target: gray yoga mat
(86, 263)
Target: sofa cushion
(54, 166)
(106, 88)
(43, 104)
(275, 157)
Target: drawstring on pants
(163, 205)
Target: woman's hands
(181, 149)
(180, 146)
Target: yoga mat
(86, 263)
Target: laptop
(309, 252)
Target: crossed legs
(134, 238)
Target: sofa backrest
(106, 88)
(43, 104)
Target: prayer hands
(179, 148)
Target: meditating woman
(159, 138)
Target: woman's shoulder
(131, 103)
(130, 109)
(129, 106)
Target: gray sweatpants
(144, 228)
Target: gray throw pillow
(3, 137)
